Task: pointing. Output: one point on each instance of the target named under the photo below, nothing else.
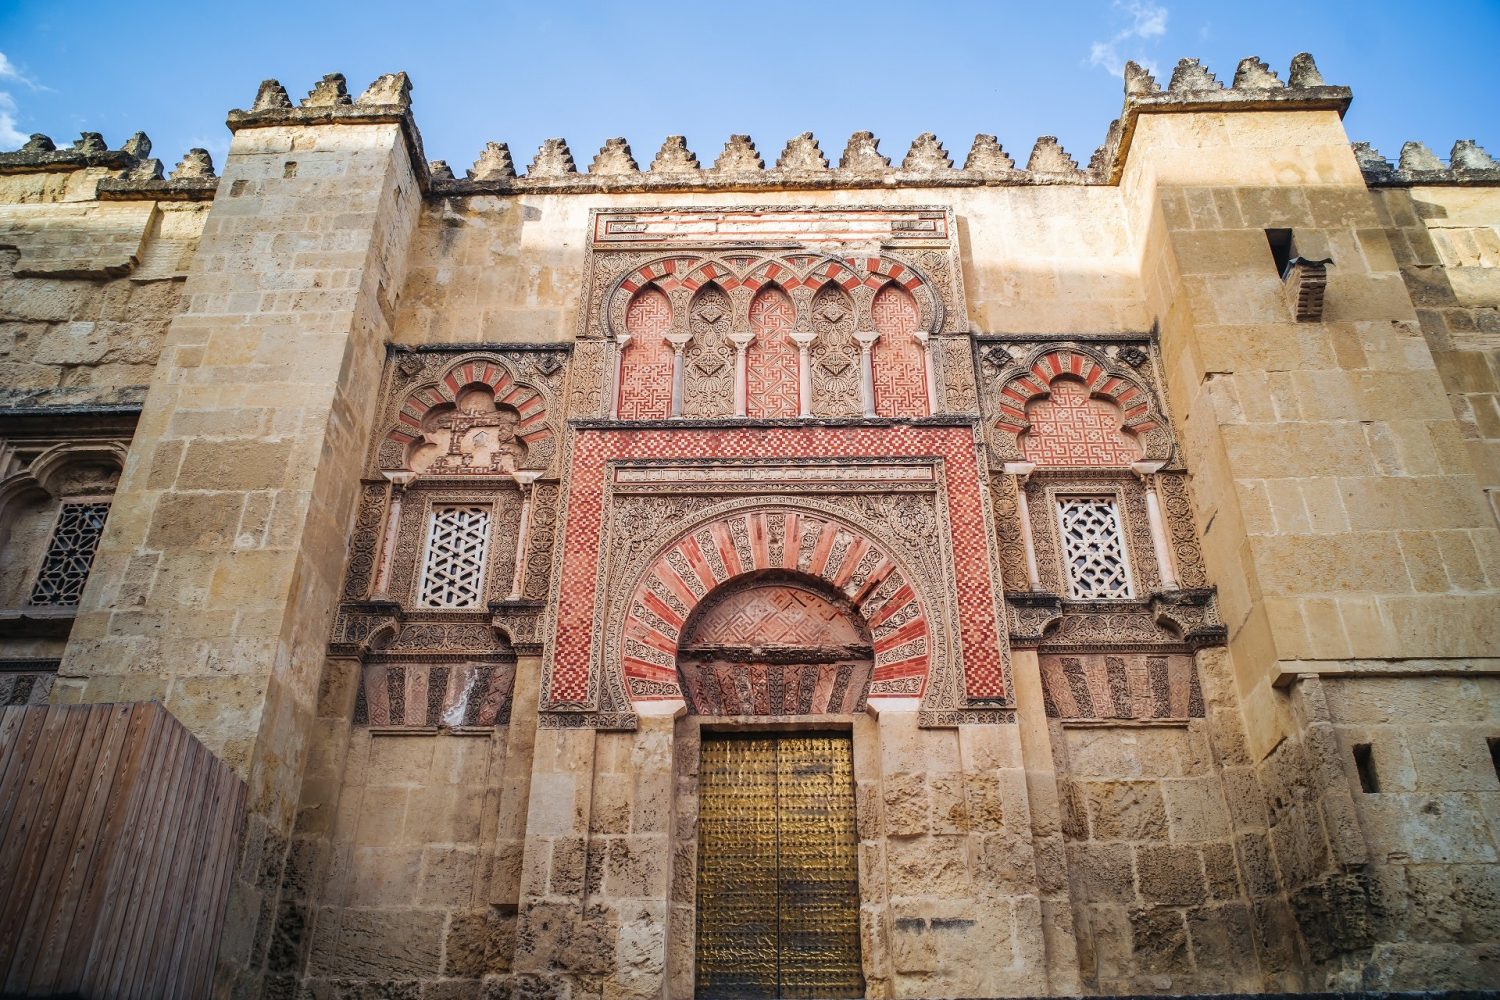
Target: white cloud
(1145, 21)
(11, 136)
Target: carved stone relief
(461, 413)
(1095, 379)
(708, 368)
(835, 355)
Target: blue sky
(521, 72)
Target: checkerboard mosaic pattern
(686, 571)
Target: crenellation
(987, 157)
(927, 156)
(862, 155)
(1254, 74)
(739, 156)
(553, 159)
(675, 158)
(1104, 156)
(1138, 81)
(1304, 72)
(38, 143)
(1467, 157)
(614, 159)
(1468, 165)
(439, 170)
(271, 96)
(1371, 162)
(494, 163)
(90, 142)
(196, 164)
(1191, 76)
(389, 89)
(331, 91)
(1049, 159)
(1415, 156)
(802, 154)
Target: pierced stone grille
(1093, 548)
(453, 572)
(70, 553)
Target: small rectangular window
(453, 570)
(1494, 742)
(1364, 763)
(1281, 249)
(1093, 548)
(70, 553)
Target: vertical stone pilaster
(214, 586)
(1058, 926)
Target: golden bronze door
(778, 879)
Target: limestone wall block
(1196, 810)
(933, 866)
(1125, 810)
(389, 944)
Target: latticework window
(1093, 546)
(453, 572)
(70, 553)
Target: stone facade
(1134, 523)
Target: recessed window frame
(1112, 500)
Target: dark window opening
(1281, 249)
(1364, 763)
(1494, 742)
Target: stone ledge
(188, 189)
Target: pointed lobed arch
(465, 376)
(1066, 369)
(844, 558)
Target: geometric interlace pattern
(70, 554)
(772, 374)
(646, 368)
(1093, 548)
(453, 576)
(900, 371)
(1070, 428)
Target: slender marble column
(399, 482)
(1021, 470)
(679, 341)
(867, 340)
(741, 342)
(804, 341)
(525, 480)
(621, 341)
(1147, 472)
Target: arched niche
(1073, 427)
(852, 568)
(1093, 393)
(775, 643)
(80, 476)
(645, 390)
(478, 419)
